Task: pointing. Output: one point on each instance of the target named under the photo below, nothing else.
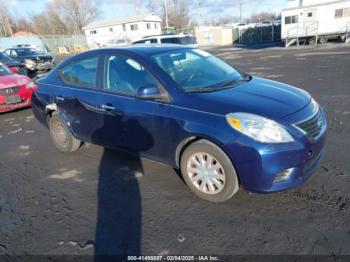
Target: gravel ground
(53, 203)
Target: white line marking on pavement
(15, 131)
(322, 53)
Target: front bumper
(259, 164)
(41, 66)
(26, 100)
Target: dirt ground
(53, 203)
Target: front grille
(10, 90)
(312, 126)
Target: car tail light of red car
(14, 69)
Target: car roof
(166, 36)
(148, 49)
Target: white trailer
(315, 21)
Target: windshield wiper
(201, 90)
(227, 83)
(224, 85)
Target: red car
(15, 90)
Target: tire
(61, 136)
(218, 189)
(312, 41)
(323, 40)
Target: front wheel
(61, 136)
(208, 172)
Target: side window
(14, 53)
(82, 72)
(170, 40)
(139, 42)
(153, 40)
(125, 75)
(8, 52)
(291, 19)
(338, 13)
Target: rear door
(78, 97)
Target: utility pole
(240, 12)
(198, 6)
(138, 7)
(166, 14)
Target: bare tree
(7, 25)
(178, 14)
(262, 16)
(75, 13)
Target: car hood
(13, 80)
(258, 96)
(38, 57)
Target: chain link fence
(257, 35)
(64, 44)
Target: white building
(121, 30)
(315, 20)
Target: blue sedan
(188, 109)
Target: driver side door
(130, 123)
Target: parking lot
(97, 199)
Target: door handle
(108, 107)
(59, 98)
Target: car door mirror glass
(148, 92)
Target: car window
(4, 71)
(81, 73)
(13, 53)
(7, 52)
(5, 58)
(196, 69)
(139, 42)
(188, 40)
(125, 75)
(170, 40)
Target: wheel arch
(194, 138)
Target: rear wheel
(208, 172)
(61, 136)
(312, 41)
(323, 40)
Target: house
(315, 21)
(121, 30)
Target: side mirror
(148, 92)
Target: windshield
(27, 51)
(5, 58)
(4, 70)
(197, 70)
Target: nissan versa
(186, 108)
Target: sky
(116, 8)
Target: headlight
(29, 63)
(259, 128)
(315, 105)
(30, 85)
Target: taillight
(14, 69)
